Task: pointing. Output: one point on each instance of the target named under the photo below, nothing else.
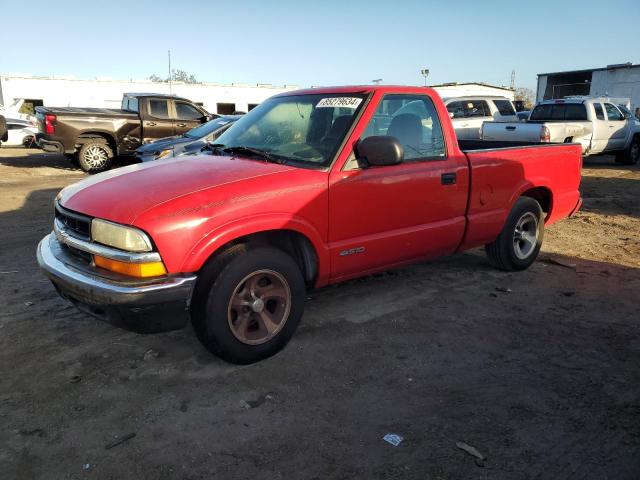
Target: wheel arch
(296, 238)
(543, 196)
(84, 137)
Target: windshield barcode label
(344, 102)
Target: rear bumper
(49, 145)
(153, 305)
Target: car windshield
(209, 127)
(303, 129)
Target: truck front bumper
(146, 306)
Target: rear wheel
(95, 156)
(631, 155)
(248, 303)
(519, 243)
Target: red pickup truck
(310, 188)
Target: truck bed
(473, 145)
(91, 112)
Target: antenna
(513, 79)
(169, 54)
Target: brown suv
(92, 137)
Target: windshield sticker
(344, 102)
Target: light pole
(377, 81)
(425, 73)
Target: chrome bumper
(149, 305)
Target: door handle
(448, 179)
(510, 128)
(181, 125)
(151, 124)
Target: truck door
(381, 216)
(157, 121)
(618, 127)
(187, 117)
(600, 135)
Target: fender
(228, 232)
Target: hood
(163, 144)
(123, 194)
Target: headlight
(164, 153)
(118, 236)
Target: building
(617, 81)
(107, 93)
(448, 90)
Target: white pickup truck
(469, 113)
(598, 124)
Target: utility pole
(169, 54)
(513, 80)
(425, 73)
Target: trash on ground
(120, 440)
(470, 450)
(503, 289)
(560, 262)
(255, 403)
(393, 438)
(86, 466)
(151, 353)
(75, 379)
(28, 304)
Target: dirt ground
(538, 370)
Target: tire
(631, 155)
(95, 156)
(232, 327)
(511, 254)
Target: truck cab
(469, 113)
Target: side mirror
(379, 151)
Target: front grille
(79, 225)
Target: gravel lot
(538, 370)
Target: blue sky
(324, 42)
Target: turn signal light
(140, 270)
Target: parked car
(191, 141)
(19, 133)
(596, 123)
(310, 188)
(469, 113)
(523, 115)
(94, 136)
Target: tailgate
(511, 132)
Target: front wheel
(248, 303)
(519, 243)
(631, 155)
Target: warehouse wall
(66, 92)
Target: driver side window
(413, 121)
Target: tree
(176, 76)
(527, 96)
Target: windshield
(209, 127)
(305, 129)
